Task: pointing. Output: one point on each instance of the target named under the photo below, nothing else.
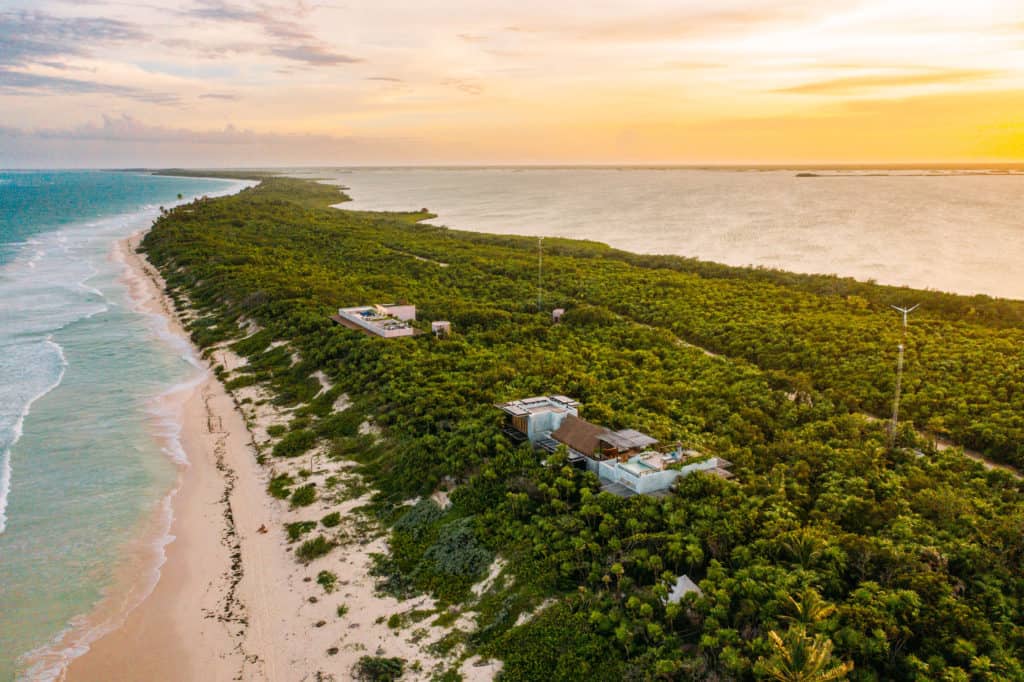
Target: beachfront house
(534, 419)
(387, 320)
(441, 328)
(627, 461)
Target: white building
(536, 418)
(389, 321)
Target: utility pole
(540, 269)
(899, 375)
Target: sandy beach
(231, 602)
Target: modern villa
(388, 320)
(534, 419)
(627, 461)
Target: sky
(98, 83)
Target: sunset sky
(347, 82)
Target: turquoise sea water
(82, 461)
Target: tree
(801, 658)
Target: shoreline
(169, 631)
(229, 600)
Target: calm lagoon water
(949, 231)
(82, 467)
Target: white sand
(231, 601)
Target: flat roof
(628, 439)
(537, 404)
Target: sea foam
(59, 283)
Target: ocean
(87, 461)
(948, 230)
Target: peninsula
(354, 508)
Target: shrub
(342, 610)
(417, 521)
(314, 549)
(298, 529)
(278, 486)
(240, 382)
(295, 443)
(276, 430)
(340, 424)
(299, 423)
(327, 580)
(454, 562)
(331, 520)
(304, 496)
(379, 668)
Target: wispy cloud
(20, 82)
(290, 40)
(468, 86)
(219, 95)
(670, 24)
(37, 39)
(853, 85)
(128, 141)
(32, 37)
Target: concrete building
(441, 327)
(389, 321)
(652, 472)
(626, 461)
(534, 419)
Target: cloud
(32, 37)
(216, 10)
(387, 79)
(219, 95)
(313, 55)
(290, 40)
(29, 39)
(676, 23)
(467, 86)
(126, 128)
(19, 82)
(852, 85)
(125, 141)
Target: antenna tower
(540, 270)
(899, 374)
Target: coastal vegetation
(834, 551)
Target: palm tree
(800, 658)
(810, 609)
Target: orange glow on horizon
(650, 81)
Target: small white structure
(389, 321)
(683, 587)
(441, 327)
(556, 314)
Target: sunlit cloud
(851, 85)
(452, 81)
